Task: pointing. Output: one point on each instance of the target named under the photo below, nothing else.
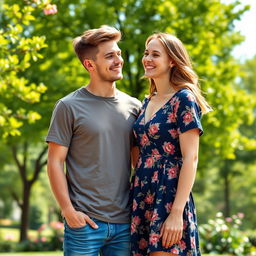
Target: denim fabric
(108, 240)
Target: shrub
(35, 217)
(7, 246)
(252, 236)
(50, 242)
(56, 238)
(33, 246)
(223, 235)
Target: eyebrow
(112, 52)
(154, 51)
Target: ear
(171, 64)
(88, 64)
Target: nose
(146, 59)
(118, 59)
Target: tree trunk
(226, 174)
(27, 183)
(226, 197)
(25, 212)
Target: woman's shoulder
(145, 100)
(185, 94)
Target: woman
(167, 132)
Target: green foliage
(206, 28)
(7, 246)
(48, 238)
(247, 77)
(18, 50)
(35, 217)
(224, 236)
(8, 182)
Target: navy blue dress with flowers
(157, 172)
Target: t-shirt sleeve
(188, 113)
(61, 126)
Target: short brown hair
(86, 45)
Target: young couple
(97, 131)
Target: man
(90, 132)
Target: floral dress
(157, 172)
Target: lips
(119, 68)
(149, 67)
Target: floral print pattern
(156, 176)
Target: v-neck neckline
(154, 114)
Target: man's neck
(103, 89)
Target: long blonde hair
(181, 75)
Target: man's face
(109, 62)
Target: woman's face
(156, 61)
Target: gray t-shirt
(98, 132)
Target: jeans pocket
(74, 228)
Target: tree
(18, 50)
(230, 169)
(206, 27)
(245, 160)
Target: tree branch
(38, 165)
(25, 154)
(21, 169)
(15, 197)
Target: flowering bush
(223, 235)
(50, 9)
(45, 5)
(51, 242)
(56, 238)
(49, 238)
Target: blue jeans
(108, 240)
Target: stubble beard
(109, 78)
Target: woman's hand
(172, 229)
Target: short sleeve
(61, 126)
(188, 113)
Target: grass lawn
(32, 254)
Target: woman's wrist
(177, 210)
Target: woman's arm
(172, 228)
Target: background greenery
(38, 66)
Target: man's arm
(55, 168)
(134, 156)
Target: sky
(247, 27)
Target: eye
(155, 55)
(145, 53)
